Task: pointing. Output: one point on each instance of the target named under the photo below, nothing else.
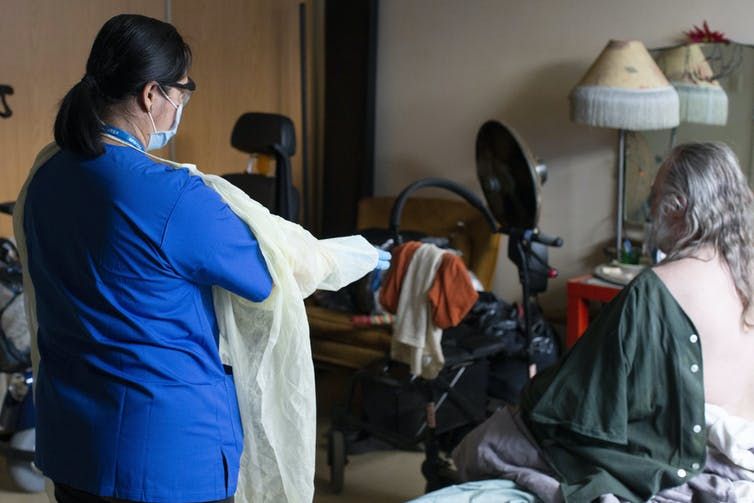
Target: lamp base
(618, 273)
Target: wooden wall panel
(246, 57)
(44, 45)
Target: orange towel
(391, 285)
(452, 295)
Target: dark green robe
(623, 412)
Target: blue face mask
(158, 139)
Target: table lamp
(702, 99)
(624, 89)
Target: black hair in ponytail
(129, 51)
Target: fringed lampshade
(624, 89)
(701, 98)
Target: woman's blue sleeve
(207, 243)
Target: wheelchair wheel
(336, 456)
(23, 473)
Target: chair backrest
(264, 133)
(270, 134)
(457, 220)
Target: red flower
(705, 35)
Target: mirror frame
(634, 229)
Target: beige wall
(246, 59)
(446, 66)
(44, 45)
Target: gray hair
(700, 198)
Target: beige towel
(416, 339)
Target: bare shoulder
(669, 271)
(684, 276)
(704, 288)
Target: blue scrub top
(132, 399)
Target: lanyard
(122, 135)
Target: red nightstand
(581, 290)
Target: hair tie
(90, 81)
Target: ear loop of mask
(158, 139)
(154, 126)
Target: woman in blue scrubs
(133, 401)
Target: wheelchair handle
(440, 183)
(547, 240)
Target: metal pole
(621, 168)
(305, 196)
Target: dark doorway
(350, 70)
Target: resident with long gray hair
(623, 413)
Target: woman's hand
(383, 262)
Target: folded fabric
(372, 320)
(732, 436)
(502, 447)
(452, 294)
(416, 339)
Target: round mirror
(702, 73)
(508, 174)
